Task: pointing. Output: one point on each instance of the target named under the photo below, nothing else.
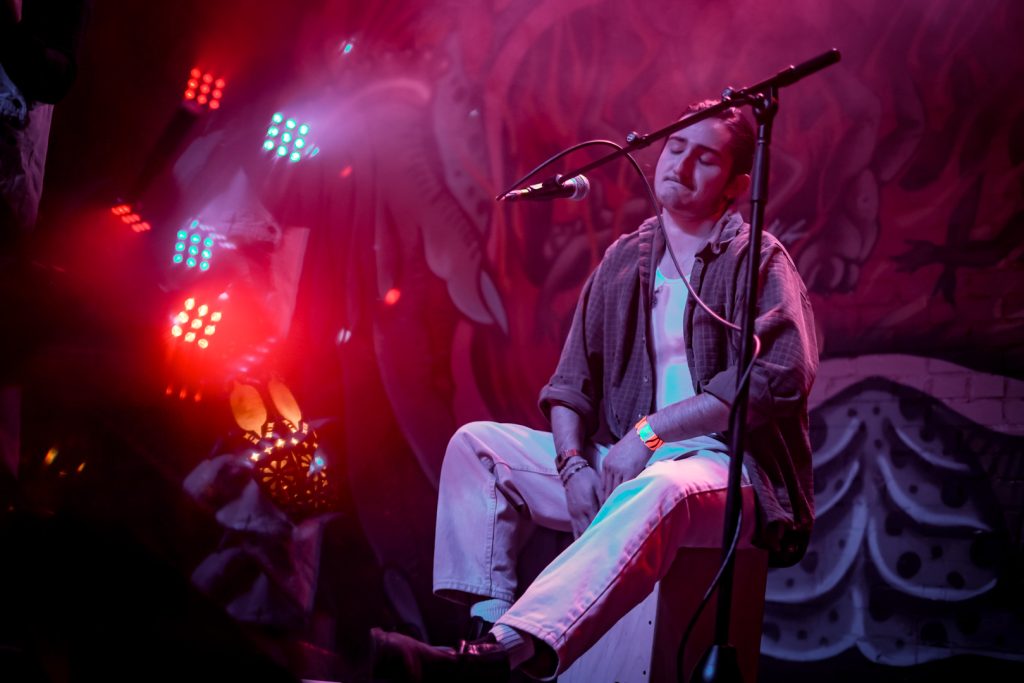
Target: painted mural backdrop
(896, 184)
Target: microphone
(575, 188)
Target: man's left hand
(624, 460)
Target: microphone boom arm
(751, 95)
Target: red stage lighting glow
(130, 217)
(392, 296)
(203, 89)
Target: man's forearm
(700, 414)
(566, 428)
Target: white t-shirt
(673, 381)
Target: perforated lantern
(284, 454)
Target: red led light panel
(204, 89)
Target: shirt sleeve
(576, 382)
(785, 368)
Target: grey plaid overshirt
(605, 372)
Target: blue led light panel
(193, 246)
(288, 139)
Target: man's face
(693, 176)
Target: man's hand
(624, 460)
(583, 492)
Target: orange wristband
(647, 435)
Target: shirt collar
(652, 241)
(727, 227)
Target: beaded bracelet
(566, 473)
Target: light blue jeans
(498, 482)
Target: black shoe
(401, 659)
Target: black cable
(565, 152)
(728, 555)
(744, 379)
(707, 598)
(657, 213)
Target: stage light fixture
(193, 246)
(287, 138)
(347, 46)
(195, 323)
(130, 217)
(204, 89)
(184, 392)
(65, 466)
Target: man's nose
(684, 168)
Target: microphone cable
(657, 214)
(744, 379)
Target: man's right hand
(583, 492)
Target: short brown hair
(741, 143)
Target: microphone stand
(720, 663)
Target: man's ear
(737, 186)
